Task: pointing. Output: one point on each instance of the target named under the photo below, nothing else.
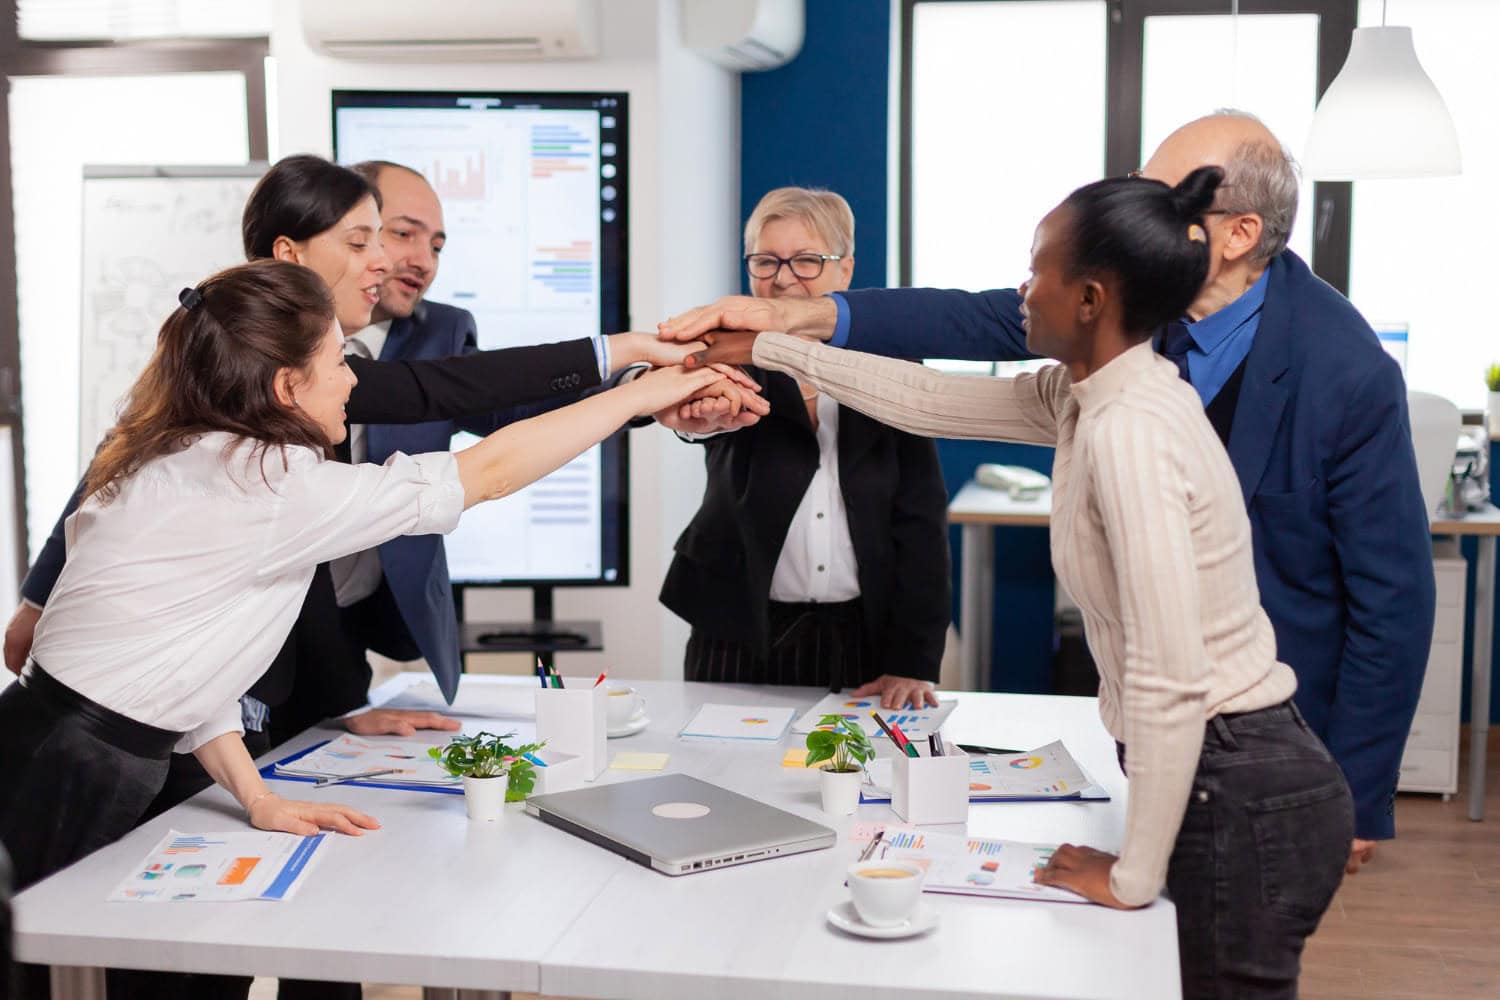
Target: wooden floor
(1421, 922)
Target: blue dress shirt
(1222, 340)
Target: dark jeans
(1260, 853)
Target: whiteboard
(148, 232)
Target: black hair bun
(1195, 193)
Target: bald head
(1260, 177)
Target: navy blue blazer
(416, 566)
(1322, 446)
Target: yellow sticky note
(639, 761)
(795, 757)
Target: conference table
(978, 509)
(433, 900)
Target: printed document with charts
(349, 755)
(915, 723)
(973, 866)
(762, 723)
(221, 867)
(1048, 772)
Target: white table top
(976, 504)
(433, 901)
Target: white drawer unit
(1430, 763)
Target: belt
(106, 724)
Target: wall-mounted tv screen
(533, 188)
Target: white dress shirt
(357, 576)
(817, 560)
(177, 593)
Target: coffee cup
(621, 705)
(885, 893)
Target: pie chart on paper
(1026, 763)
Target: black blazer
(720, 578)
(388, 392)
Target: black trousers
(1259, 855)
(812, 645)
(76, 777)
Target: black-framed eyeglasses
(804, 265)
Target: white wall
(684, 169)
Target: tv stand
(543, 635)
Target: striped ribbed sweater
(1149, 535)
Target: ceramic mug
(621, 705)
(885, 893)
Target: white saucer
(845, 918)
(630, 728)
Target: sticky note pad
(639, 761)
(795, 757)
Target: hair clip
(190, 298)
(1196, 234)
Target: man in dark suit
(1313, 414)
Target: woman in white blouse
(206, 512)
(1234, 804)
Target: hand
(1361, 853)
(1082, 870)
(725, 349)
(397, 722)
(18, 636)
(899, 692)
(814, 317)
(272, 812)
(626, 349)
(721, 388)
(691, 418)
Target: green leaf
(818, 756)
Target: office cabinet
(1430, 763)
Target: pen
(936, 744)
(541, 672)
(885, 729)
(905, 744)
(602, 675)
(535, 759)
(340, 779)
(874, 843)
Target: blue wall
(822, 121)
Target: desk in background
(433, 900)
(978, 509)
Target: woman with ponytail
(1235, 806)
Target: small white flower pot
(485, 798)
(840, 791)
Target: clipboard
(269, 773)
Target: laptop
(678, 824)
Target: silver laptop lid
(679, 824)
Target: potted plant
(1492, 381)
(843, 744)
(494, 772)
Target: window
(122, 20)
(1419, 253)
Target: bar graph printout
(221, 867)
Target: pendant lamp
(1381, 117)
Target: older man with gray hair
(1311, 410)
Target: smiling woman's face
(350, 260)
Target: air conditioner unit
(452, 30)
(744, 34)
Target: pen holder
(564, 771)
(571, 720)
(930, 789)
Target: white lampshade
(1381, 116)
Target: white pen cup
(621, 704)
(886, 892)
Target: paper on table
(914, 723)
(974, 866)
(762, 723)
(349, 755)
(221, 867)
(483, 701)
(625, 761)
(1048, 772)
